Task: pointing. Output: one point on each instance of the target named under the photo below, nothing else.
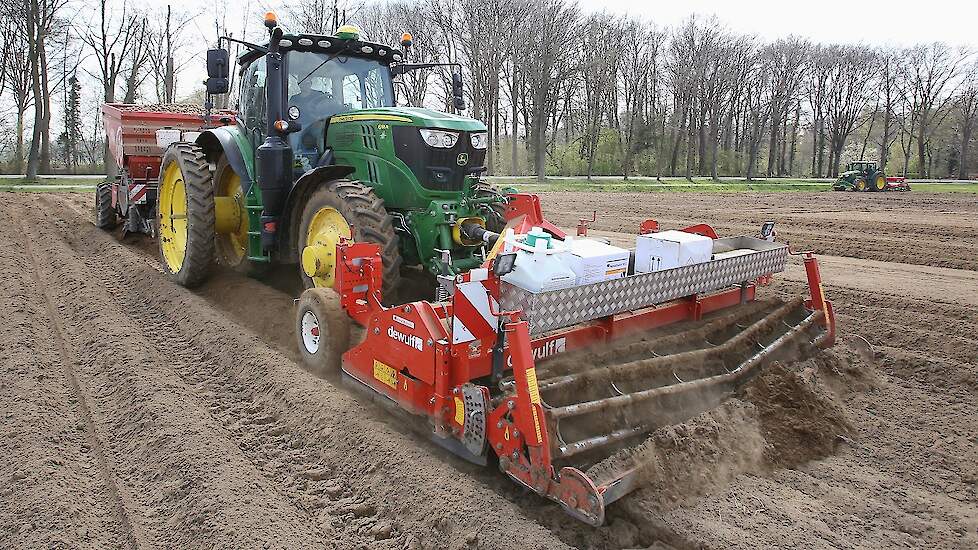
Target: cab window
(253, 97)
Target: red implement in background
(130, 132)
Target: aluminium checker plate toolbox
(551, 310)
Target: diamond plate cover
(555, 309)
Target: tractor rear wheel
(495, 213)
(105, 215)
(322, 330)
(860, 184)
(185, 207)
(345, 209)
(879, 183)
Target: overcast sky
(875, 22)
(868, 21)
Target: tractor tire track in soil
(62, 458)
(225, 440)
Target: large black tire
(198, 256)
(495, 213)
(322, 330)
(364, 211)
(878, 183)
(859, 184)
(105, 215)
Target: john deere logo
(463, 159)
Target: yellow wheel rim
(230, 219)
(325, 230)
(173, 217)
(880, 183)
(861, 185)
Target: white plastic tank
(539, 264)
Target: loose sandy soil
(135, 413)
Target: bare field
(136, 413)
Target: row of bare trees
(56, 53)
(560, 90)
(626, 96)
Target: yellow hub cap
(230, 221)
(880, 183)
(325, 230)
(173, 217)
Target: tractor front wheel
(185, 212)
(860, 184)
(322, 330)
(343, 209)
(105, 215)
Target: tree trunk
(690, 152)
(19, 150)
(772, 150)
(922, 148)
(33, 157)
(794, 140)
(885, 146)
(965, 141)
(514, 166)
(701, 169)
(821, 148)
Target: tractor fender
(224, 139)
(292, 213)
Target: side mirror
(457, 90)
(218, 68)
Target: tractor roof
(306, 42)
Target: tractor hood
(849, 173)
(412, 116)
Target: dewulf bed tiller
(552, 383)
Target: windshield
(321, 86)
(341, 84)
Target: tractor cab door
(252, 106)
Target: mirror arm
(248, 45)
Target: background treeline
(561, 90)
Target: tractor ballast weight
(552, 393)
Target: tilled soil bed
(136, 413)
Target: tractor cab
(322, 76)
(861, 166)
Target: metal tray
(736, 260)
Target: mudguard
(304, 186)
(236, 148)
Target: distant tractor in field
(866, 175)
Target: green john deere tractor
(319, 151)
(861, 176)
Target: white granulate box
(595, 261)
(671, 249)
